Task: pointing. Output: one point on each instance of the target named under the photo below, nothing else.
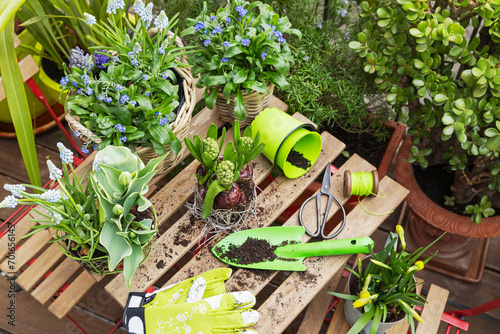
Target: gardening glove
(208, 284)
(225, 313)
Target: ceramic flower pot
(285, 138)
(353, 314)
(254, 102)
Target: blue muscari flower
(64, 80)
(118, 87)
(135, 62)
(97, 162)
(147, 14)
(51, 196)
(138, 7)
(123, 139)
(144, 77)
(133, 102)
(86, 79)
(163, 121)
(107, 99)
(217, 30)
(226, 44)
(89, 91)
(241, 11)
(213, 18)
(161, 51)
(164, 76)
(120, 127)
(281, 40)
(199, 26)
(57, 218)
(84, 149)
(89, 19)
(207, 42)
(15, 189)
(9, 202)
(54, 172)
(245, 42)
(277, 33)
(161, 21)
(100, 97)
(74, 83)
(124, 98)
(228, 19)
(113, 5)
(342, 12)
(263, 55)
(223, 60)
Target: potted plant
(135, 93)
(243, 55)
(420, 55)
(382, 290)
(102, 219)
(225, 184)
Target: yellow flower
(401, 234)
(419, 265)
(364, 298)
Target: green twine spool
(361, 183)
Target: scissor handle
(326, 215)
(318, 230)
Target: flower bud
(125, 178)
(118, 209)
(401, 234)
(132, 235)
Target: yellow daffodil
(401, 234)
(419, 265)
(364, 298)
(411, 311)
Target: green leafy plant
(480, 210)
(128, 93)
(243, 48)
(386, 286)
(15, 92)
(449, 200)
(97, 217)
(411, 48)
(220, 178)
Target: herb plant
(243, 47)
(95, 216)
(128, 93)
(421, 56)
(386, 287)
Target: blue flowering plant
(129, 92)
(101, 217)
(242, 48)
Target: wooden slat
(72, 295)
(27, 251)
(40, 267)
(316, 311)
(28, 69)
(298, 289)
(20, 229)
(17, 41)
(51, 285)
(278, 196)
(432, 312)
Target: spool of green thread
(361, 183)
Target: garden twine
(363, 184)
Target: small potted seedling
(225, 182)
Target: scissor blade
(325, 185)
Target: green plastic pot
(282, 133)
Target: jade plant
(420, 55)
(99, 218)
(221, 179)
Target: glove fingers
(235, 321)
(231, 301)
(215, 281)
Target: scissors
(325, 190)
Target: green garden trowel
(281, 248)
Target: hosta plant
(243, 47)
(422, 56)
(102, 218)
(223, 180)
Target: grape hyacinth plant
(242, 47)
(96, 217)
(132, 94)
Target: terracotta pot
(437, 216)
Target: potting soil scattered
(298, 160)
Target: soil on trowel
(298, 160)
(251, 251)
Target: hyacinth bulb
(228, 198)
(246, 174)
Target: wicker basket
(254, 102)
(180, 126)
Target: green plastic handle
(325, 248)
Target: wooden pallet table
(294, 294)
